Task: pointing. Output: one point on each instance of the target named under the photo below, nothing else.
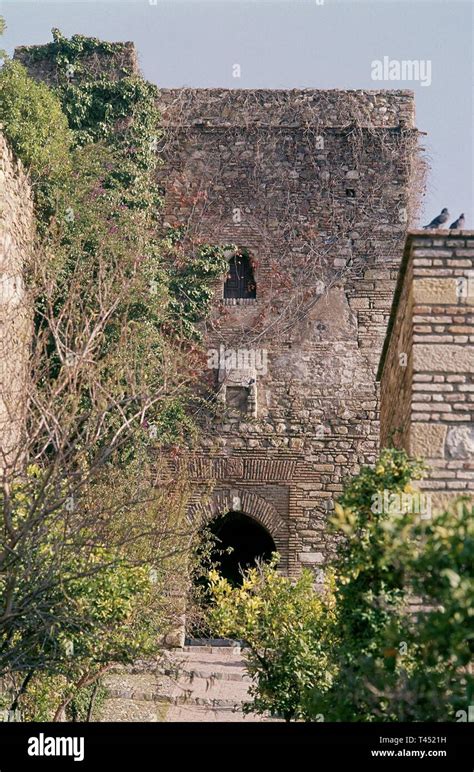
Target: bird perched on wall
(457, 224)
(439, 220)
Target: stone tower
(315, 188)
(427, 366)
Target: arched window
(240, 282)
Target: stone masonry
(427, 365)
(16, 238)
(114, 64)
(317, 188)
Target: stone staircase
(195, 683)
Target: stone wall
(16, 236)
(318, 187)
(396, 385)
(429, 404)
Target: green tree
(34, 123)
(370, 584)
(439, 555)
(285, 627)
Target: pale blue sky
(295, 44)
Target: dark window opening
(239, 542)
(240, 282)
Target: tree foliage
(94, 538)
(35, 124)
(285, 626)
(393, 636)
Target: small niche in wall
(237, 399)
(237, 390)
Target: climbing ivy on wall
(93, 172)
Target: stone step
(225, 651)
(123, 710)
(200, 713)
(158, 698)
(228, 659)
(201, 692)
(132, 710)
(197, 683)
(195, 674)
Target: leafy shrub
(34, 123)
(107, 363)
(285, 626)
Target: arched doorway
(239, 542)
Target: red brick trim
(233, 499)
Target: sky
(297, 44)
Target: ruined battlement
(114, 60)
(291, 109)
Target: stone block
(443, 358)
(439, 291)
(460, 442)
(427, 440)
(311, 558)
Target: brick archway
(256, 507)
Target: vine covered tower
(316, 190)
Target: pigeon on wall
(439, 220)
(457, 224)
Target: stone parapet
(114, 63)
(333, 108)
